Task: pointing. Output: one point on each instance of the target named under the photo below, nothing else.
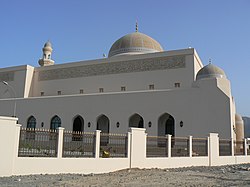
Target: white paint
(11, 164)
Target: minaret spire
(136, 26)
(47, 51)
(209, 60)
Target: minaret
(46, 59)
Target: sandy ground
(236, 175)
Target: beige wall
(19, 78)
(200, 112)
(133, 81)
(8, 144)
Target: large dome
(134, 43)
(210, 71)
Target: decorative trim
(7, 76)
(108, 68)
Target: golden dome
(134, 43)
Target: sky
(82, 30)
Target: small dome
(134, 43)
(210, 71)
(238, 117)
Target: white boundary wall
(11, 164)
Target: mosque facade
(137, 85)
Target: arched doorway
(136, 121)
(166, 125)
(103, 126)
(78, 128)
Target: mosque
(137, 85)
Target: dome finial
(136, 26)
(209, 60)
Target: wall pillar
(232, 146)
(190, 146)
(213, 149)
(60, 131)
(138, 147)
(97, 143)
(9, 142)
(169, 136)
(129, 148)
(245, 146)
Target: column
(60, 131)
(169, 144)
(97, 143)
(190, 146)
(213, 149)
(138, 147)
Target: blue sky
(81, 30)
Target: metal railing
(199, 147)
(113, 145)
(78, 144)
(225, 147)
(179, 147)
(157, 146)
(37, 143)
(239, 147)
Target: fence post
(60, 131)
(190, 146)
(129, 148)
(232, 146)
(138, 147)
(97, 143)
(245, 146)
(213, 149)
(169, 144)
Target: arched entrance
(103, 126)
(136, 121)
(78, 128)
(166, 125)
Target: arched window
(31, 122)
(31, 126)
(55, 123)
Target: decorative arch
(136, 121)
(31, 122)
(166, 125)
(78, 123)
(103, 125)
(31, 127)
(78, 126)
(55, 122)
